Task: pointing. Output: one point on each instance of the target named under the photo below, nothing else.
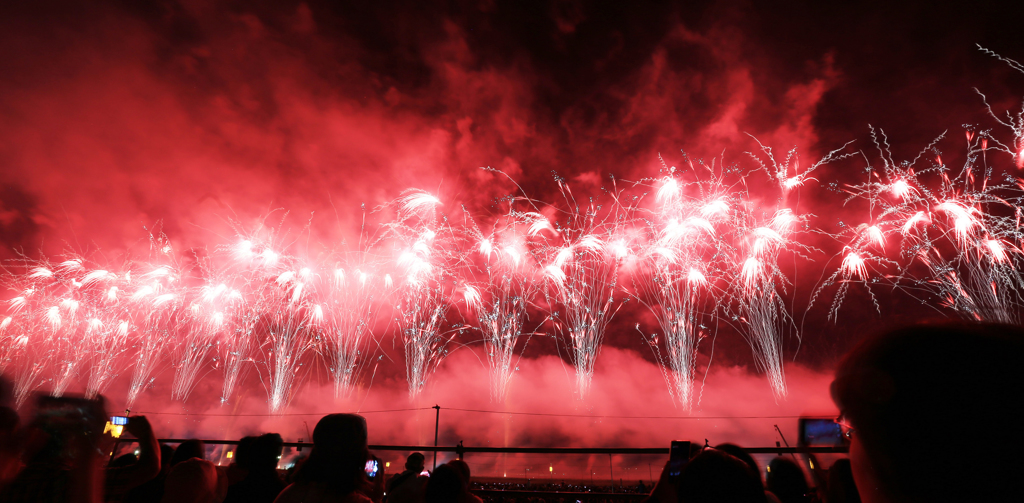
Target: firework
(426, 258)
(348, 299)
(198, 323)
(289, 323)
(679, 263)
(582, 273)
(106, 326)
(251, 266)
(155, 302)
(506, 281)
(25, 328)
(764, 233)
(956, 232)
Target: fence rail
(569, 496)
(839, 449)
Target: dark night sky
(114, 115)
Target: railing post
(437, 420)
(611, 471)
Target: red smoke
(625, 385)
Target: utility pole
(611, 471)
(437, 420)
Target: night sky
(117, 115)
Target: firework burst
(680, 262)
(506, 281)
(582, 257)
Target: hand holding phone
(679, 455)
(372, 467)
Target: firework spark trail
(108, 337)
(27, 346)
(64, 317)
(956, 230)
(105, 326)
(348, 298)
(427, 258)
(583, 260)
(243, 314)
(763, 235)
(155, 304)
(680, 261)
(198, 324)
(756, 291)
(506, 283)
(289, 325)
(252, 265)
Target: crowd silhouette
(908, 398)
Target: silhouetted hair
(714, 476)
(166, 453)
(415, 461)
(462, 468)
(741, 454)
(911, 393)
(192, 448)
(266, 452)
(444, 486)
(840, 487)
(339, 454)
(243, 454)
(786, 480)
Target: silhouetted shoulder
(317, 493)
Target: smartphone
(818, 432)
(119, 420)
(371, 468)
(678, 456)
(69, 411)
(67, 417)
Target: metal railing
(459, 449)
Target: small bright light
(387, 464)
(231, 454)
(551, 468)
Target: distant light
(812, 463)
(231, 454)
(387, 464)
(551, 468)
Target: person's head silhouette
(910, 397)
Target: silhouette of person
(335, 468)
(906, 398)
